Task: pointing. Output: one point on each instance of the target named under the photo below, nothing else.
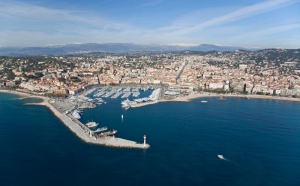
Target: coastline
(198, 95)
(24, 95)
(183, 98)
(83, 133)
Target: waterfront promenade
(199, 95)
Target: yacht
(75, 114)
(221, 157)
(101, 129)
(91, 124)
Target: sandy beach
(25, 95)
(198, 95)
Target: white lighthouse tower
(144, 140)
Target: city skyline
(261, 24)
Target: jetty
(119, 142)
(144, 104)
(87, 135)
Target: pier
(119, 142)
(144, 104)
(87, 135)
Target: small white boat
(203, 101)
(101, 129)
(92, 124)
(75, 114)
(221, 156)
(122, 116)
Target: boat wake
(221, 157)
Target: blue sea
(259, 140)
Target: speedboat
(101, 129)
(75, 114)
(92, 124)
(221, 156)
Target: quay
(143, 104)
(87, 135)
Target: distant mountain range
(69, 49)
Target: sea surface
(259, 140)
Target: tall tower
(144, 140)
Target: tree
(10, 75)
(75, 79)
(39, 74)
(62, 79)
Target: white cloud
(274, 30)
(239, 14)
(17, 11)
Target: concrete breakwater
(84, 133)
(144, 104)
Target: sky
(244, 23)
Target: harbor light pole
(144, 140)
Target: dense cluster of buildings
(271, 72)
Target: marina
(138, 102)
(64, 110)
(130, 97)
(70, 110)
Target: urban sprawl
(273, 72)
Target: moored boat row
(109, 133)
(100, 129)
